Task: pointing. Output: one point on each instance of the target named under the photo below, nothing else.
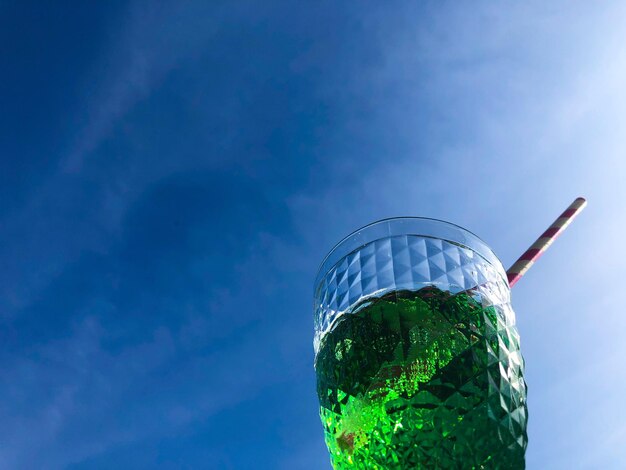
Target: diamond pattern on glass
(404, 262)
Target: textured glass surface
(417, 356)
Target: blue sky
(172, 173)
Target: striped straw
(531, 255)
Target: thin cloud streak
(153, 40)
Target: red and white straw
(531, 255)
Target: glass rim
(479, 245)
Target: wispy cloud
(149, 42)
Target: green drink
(405, 383)
(419, 373)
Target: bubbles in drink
(423, 379)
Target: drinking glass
(417, 356)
